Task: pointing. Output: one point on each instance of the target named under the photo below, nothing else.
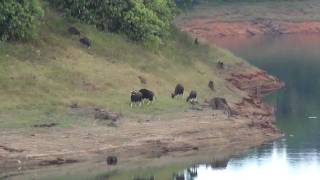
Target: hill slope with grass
(40, 79)
(55, 79)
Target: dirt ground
(209, 29)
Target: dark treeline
(139, 20)
(19, 19)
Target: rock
(218, 103)
(105, 115)
(250, 33)
(144, 178)
(112, 160)
(74, 105)
(142, 80)
(57, 161)
(74, 31)
(45, 125)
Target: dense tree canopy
(19, 19)
(140, 20)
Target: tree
(19, 19)
(140, 20)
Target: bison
(136, 98)
(85, 41)
(178, 91)
(192, 96)
(147, 95)
(74, 31)
(211, 85)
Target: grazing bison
(112, 160)
(192, 96)
(136, 98)
(74, 31)
(147, 95)
(85, 41)
(178, 91)
(211, 85)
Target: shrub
(140, 20)
(19, 19)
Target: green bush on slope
(140, 20)
(19, 19)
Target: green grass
(40, 79)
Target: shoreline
(209, 29)
(148, 137)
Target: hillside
(41, 79)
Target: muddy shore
(209, 28)
(251, 124)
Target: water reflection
(273, 160)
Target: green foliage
(19, 19)
(140, 20)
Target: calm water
(295, 60)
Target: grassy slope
(40, 79)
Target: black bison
(178, 91)
(196, 41)
(74, 31)
(112, 160)
(147, 95)
(211, 85)
(220, 65)
(192, 96)
(136, 98)
(85, 41)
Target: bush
(140, 20)
(19, 19)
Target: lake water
(295, 60)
